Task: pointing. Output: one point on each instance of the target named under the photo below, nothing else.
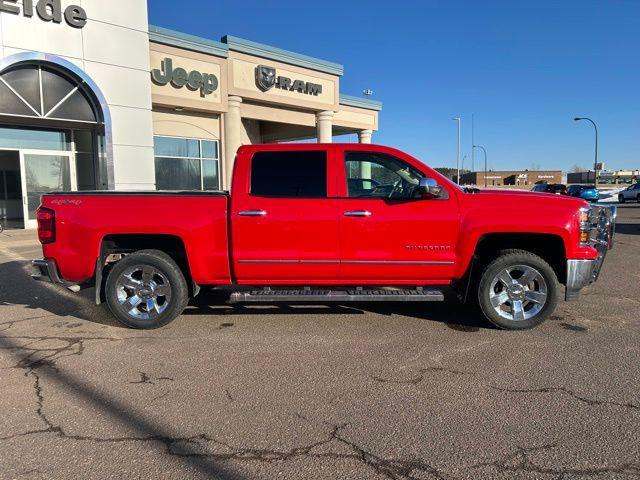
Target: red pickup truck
(317, 223)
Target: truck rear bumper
(47, 271)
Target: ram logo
(265, 77)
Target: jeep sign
(47, 10)
(207, 83)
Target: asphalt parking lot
(350, 392)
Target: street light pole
(473, 141)
(459, 120)
(485, 163)
(595, 163)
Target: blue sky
(525, 69)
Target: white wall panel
(12, 51)
(114, 45)
(131, 126)
(126, 13)
(134, 168)
(122, 86)
(36, 35)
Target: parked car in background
(556, 188)
(586, 192)
(631, 193)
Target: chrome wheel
(518, 293)
(143, 291)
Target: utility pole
(462, 165)
(473, 142)
(459, 120)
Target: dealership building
(92, 97)
(516, 178)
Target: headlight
(585, 219)
(595, 225)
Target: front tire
(518, 290)
(621, 198)
(146, 290)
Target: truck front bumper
(581, 273)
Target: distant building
(521, 178)
(612, 177)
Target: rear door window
(289, 174)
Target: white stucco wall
(113, 49)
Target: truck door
(285, 218)
(389, 233)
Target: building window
(10, 188)
(186, 164)
(34, 139)
(83, 143)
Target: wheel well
(548, 247)
(113, 246)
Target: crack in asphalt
(588, 401)
(419, 377)
(144, 378)
(47, 356)
(10, 323)
(228, 394)
(519, 462)
(394, 469)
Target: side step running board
(337, 296)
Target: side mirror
(429, 188)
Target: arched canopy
(42, 91)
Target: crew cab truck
(325, 223)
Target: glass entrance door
(43, 172)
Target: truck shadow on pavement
(628, 228)
(451, 313)
(18, 288)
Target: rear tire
(638, 198)
(146, 290)
(518, 290)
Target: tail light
(46, 225)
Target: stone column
(364, 136)
(324, 121)
(232, 138)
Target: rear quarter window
(289, 174)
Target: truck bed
(85, 219)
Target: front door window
(376, 175)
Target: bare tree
(577, 169)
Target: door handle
(252, 213)
(358, 213)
